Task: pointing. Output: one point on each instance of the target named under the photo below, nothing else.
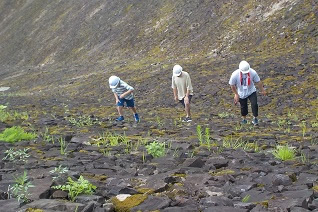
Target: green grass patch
(16, 134)
(284, 153)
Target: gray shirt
(243, 89)
(122, 88)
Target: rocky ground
(231, 169)
(55, 61)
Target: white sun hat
(244, 67)
(177, 70)
(113, 81)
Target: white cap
(177, 70)
(244, 67)
(113, 81)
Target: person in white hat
(242, 84)
(123, 94)
(182, 89)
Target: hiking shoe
(255, 121)
(137, 119)
(187, 119)
(120, 118)
(244, 121)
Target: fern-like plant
(15, 134)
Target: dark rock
(152, 203)
(298, 209)
(224, 209)
(59, 194)
(281, 179)
(109, 207)
(89, 207)
(10, 205)
(58, 205)
(193, 162)
(216, 201)
(84, 199)
(189, 208)
(244, 205)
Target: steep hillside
(67, 48)
(55, 60)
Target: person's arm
(128, 87)
(126, 93)
(175, 94)
(261, 88)
(189, 88)
(236, 96)
(116, 97)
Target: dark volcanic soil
(56, 58)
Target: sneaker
(120, 118)
(244, 121)
(255, 121)
(187, 119)
(137, 119)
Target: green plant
(58, 172)
(156, 149)
(284, 153)
(63, 145)
(314, 124)
(11, 116)
(159, 122)
(75, 188)
(304, 158)
(207, 137)
(200, 134)
(21, 187)
(82, 121)
(19, 155)
(304, 128)
(15, 134)
(246, 198)
(224, 115)
(47, 137)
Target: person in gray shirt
(242, 84)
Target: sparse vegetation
(58, 172)
(20, 189)
(75, 188)
(284, 153)
(156, 149)
(15, 134)
(18, 155)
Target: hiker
(242, 84)
(123, 94)
(182, 89)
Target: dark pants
(254, 105)
(182, 101)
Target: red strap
(248, 78)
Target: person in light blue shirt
(123, 94)
(242, 84)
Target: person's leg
(254, 105)
(131, 104)
(187, 107)
(120, 106)
(244, 108)
(120, 110)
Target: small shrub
(75, 188)
(156, 149)
(19, 155)
(284, 153)
(58, 172)
(15, 134)
(21, 187)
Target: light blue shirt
(122, 88)
(243, 89)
